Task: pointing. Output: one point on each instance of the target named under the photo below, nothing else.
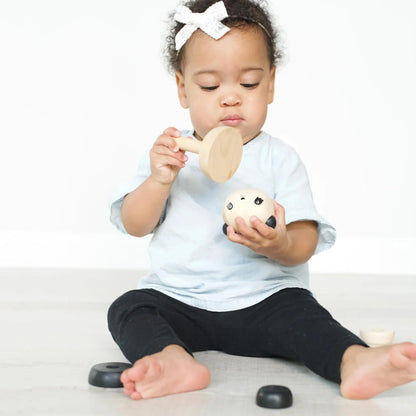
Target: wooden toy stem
(188, 144)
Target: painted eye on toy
(230, 205)
(258, 201)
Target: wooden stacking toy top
(219, 152)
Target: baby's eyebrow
(252, 69)
(215, 72)
(206, 71)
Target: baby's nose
(230, 99)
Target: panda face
(257, 201)
(245, 203)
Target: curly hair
(241, 13)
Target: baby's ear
(180, 83)
(271, 86)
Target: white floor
(53, 329)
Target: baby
(246, 293)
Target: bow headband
(208, 21)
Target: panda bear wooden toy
(245, 203)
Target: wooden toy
(245, 203)
(219, 153)
(274, 397)
(376, 337)
(107, 375)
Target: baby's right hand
(166, 159)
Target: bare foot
(170, 371)
(366, 372)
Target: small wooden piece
(274, 397)
(376, 337)
(107, 375)
(219, 152)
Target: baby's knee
(124, 306)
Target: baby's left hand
(264, 240)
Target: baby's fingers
(262, 228)
(172, 131)
(165, 143)
(169, 138)
(279, 213)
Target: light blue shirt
(193, 261)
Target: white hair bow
(208, 21)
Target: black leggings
(289, 324)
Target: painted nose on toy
(219, 153)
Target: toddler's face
(227, 81)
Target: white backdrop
(83, 88)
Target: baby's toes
(136, 395)
(124, 378)
(129, 388)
